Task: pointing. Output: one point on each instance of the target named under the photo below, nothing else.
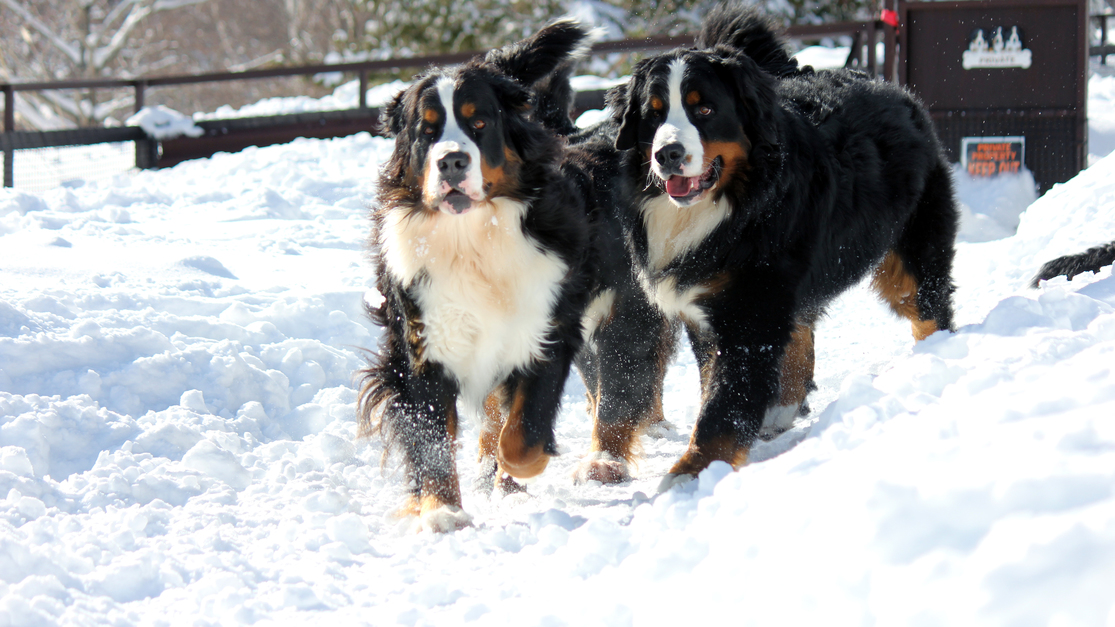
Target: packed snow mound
(178, 437)
(160, 122)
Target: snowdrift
(177, 437)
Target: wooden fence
(231, 135)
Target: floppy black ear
(756, 96)
(626, 112)
(392, 119)
(536, 56)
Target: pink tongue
(679, 186)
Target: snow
(178, 438)
(161, 122)
(345, 96)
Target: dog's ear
(531, 59)
(510, 94)
(393, 118)
(626, 112)
(756, 95)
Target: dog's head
(462, 134)
(697, 117)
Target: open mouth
(456, 202)
(689, 188)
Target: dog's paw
(672, 480)
(601, 467)
(505, 485)
(487, 472)
(444, 518)
(778, 420)
(660, 429)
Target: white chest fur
(673, 231)
(489, 289)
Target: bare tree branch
(73, 53)
(104, 55)
(116, 13)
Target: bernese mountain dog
(761, 191)
(481, 245)
(1091, 260)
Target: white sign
(996, 53)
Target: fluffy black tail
(553, 100)
(1090, 260)
(747, 30)
(532, 59)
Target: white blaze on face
(677, 129)
(453, 139)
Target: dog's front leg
(624, 364)
(741, 379)
(526, 441)
(423, 420)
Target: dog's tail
(746, 30)
(553, 100)
(534, 58)
(544, 63)
(1090, 260)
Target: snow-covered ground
(177, 436)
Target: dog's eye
(429, 130)
(479, 124)
(704, 110)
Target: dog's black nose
(670, 156)
(453, 165)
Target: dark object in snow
(1090, 260)
(760, 193)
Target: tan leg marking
(409, 507)
(797, 367)
(897, 287)
(439, 494)
(493, 424)
(697, 458)
(514, 458)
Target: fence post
(872, 37)
(9, 126)
(363, 100)
(141, 86)
(147, 150)
(890, 49)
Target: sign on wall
(993, 50)
(992, 156)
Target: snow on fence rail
(45, 169)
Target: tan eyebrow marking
(468, 109)
(430, 115)
(656, 103)
(692, 98)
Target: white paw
(602, 467)
(445, 519)
(660, 429)
(778, 420)
(671, 480)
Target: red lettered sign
(992, 156)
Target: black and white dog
(482, 250)
(761, 192)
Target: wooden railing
(232, 135)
